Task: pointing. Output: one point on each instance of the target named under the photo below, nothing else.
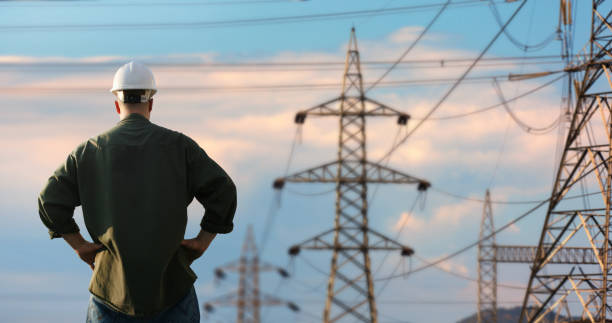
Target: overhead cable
(455, 85)
(524, 94)
(412, 45)
(325, 192)
(237, 22)
(524, 126)
(500, 154)
(178, 64)
(520, 45)
(478, 200)
(398, 83)
(414, 301)
(465, 248)
(272, 212)
(81, 4)
(466, 277)
(502, 228)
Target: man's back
(134, 183)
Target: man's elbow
(233, 189)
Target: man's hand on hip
(196, 246)
(86, 250)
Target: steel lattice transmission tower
(581, 291)
(350, 289)
(248, 298)
(490, 254)
(487, 267)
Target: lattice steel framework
(248, 299)
(584, 167)
(490, 254)
(566, 255)
(487, 267)
(350, 289)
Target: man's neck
(124, 115)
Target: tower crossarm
(328, 173)
(264, 266)
(565, 255)
(230, 266)
(381, 109)
(373, 109)
(325, 240)
(326, 108)
(229, 299)
(260, 267)
(270, 300)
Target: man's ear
(117, 107)
(150, 105)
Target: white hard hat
(134, 76)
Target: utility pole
(350, 288)
(585, 167)
(248, 298)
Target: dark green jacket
(134, 183)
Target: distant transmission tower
(350, 289)
(585, 167)
(248, 298)
(487, 267)
(490, 254)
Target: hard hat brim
(123, 88)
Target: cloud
(405, 34)
(445, 218)
(452, 266)
(408, 34)
(409, 221)
(514, 228)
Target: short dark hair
(133, 96)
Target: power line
(412, 45)
(524, 94)
(237, 22)
(524, 126)
(269, 222)
(465, 248)
(325, 192)
(466, 277)
(397, 235)
(443, 62)
(398, 83)
(410, 301)
(11, 4)
(197, 68)
(504, 227)
(520, 45)
(500, 153)
(456, 83)
(478, 200)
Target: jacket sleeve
(58, 199)
(212, 187)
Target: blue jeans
(186, 310)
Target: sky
(58, 58)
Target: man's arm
(86, 250)
(198, 245)
(216, 191)
(58, 199)
(56, 205)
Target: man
(134, 183)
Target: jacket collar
(134, 118)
